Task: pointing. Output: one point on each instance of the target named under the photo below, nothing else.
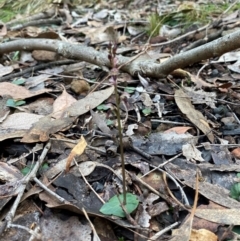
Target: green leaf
(25, 170)
(129, 90)
(113, 206)
(235, 191)
(236, 229)
(43, 168)
(16, 55)
(14, 103)
(28, 168)
(10, 103)
(103, 107)
(20, 102)
(146, 111)
(109, 122)
(18, 81)
(238, 174)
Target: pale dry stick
(76, 142)
(35, 68)
(163, 231)
(234, 3)
(161, 165)
(234, 115)
(184, 196)
(95, 238)
(29, 177)
(50, 192)
(201, 69)
(36, 148)
(40, 22)
(135, 178)
(85, 180)
(137, 112)
(195, 199)
(171, 194)
(39, 16)
(227, 102)
(107, 167)
(36, 233)
(138, 36)
(169, 176)
(135, 57)
(100, 83)
(171, 122)
(181, 37)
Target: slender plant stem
(120, 144)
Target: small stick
(50, 192)
(25, 181)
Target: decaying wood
(142, 64)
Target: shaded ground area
(103, 98)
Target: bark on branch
(149, 67)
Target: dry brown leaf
(5, 70)
(178, 129)
(200, 82)
(76, 151)
(86, 168)
(236, 152)
(20, 121)
(184, 104)
(44, 127)
(18, 92)
(191, 152)
(203, 235)
(91, 101)
(61, 103)
(31, 31)
(223, 216)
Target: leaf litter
(182, 129)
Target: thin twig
(35, 233)
(171, 194)
(160, 233)
(171, 122)
(96, 237)
(53, 194)
(29, 177)
(88, 183)
(181, 37)
(35, 68)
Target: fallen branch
(10, 215)
(143, 64)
